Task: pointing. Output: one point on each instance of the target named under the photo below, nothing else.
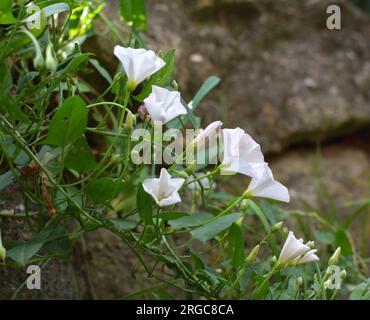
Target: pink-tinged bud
(142, 112)
(209, 132)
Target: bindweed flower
(241, 154)
(165, 189)
(164, 105)
(198, 185)
(296, 252)
(208, 133)
(264, 186)
(138, 64)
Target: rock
(338, 176)
(285, 77)
(57, 277)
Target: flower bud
(142, 112)
(2, 250)
(38, 61)
(130, 122)
(51, 62)
(175, 85)
(116, 158)
(181, 174)
(277, 226)
(299, 281)
(343, 274)
(192, 167)
(273, 260)
(252, 256)
(335, 257)
(244, 205)
(311, 244)
(240, 221)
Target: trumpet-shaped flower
(209, 132)
(138, 64)
(164, 190)
(264, 186)
(295, 251)
(241, 153)
(164, 105)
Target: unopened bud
(130, 122)
(38, 61)
(244, 205)
(328, 284)
(116, 158)
(2, 250)
(311, 244)
(142, 112)
(240, 221)
(51, 62)
(299, 281)
(343, 274)
(191, 168)
(181, 174)
(273, 260)
(335, 257)
(277, 226)
(175, 85)
(252, 256)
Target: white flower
(138, 64)
(241, 153)
(164, 105)
(295, 251)
(196, 185)
(165, 189)
(264, 186)
(209, 132)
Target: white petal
(177, 183)
(138, 64)
(292, 249)
(151, 187)
(310, 256)
(173, 199)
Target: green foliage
(134, 13)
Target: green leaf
(6, 179)
(6, 14)
(194, 220)
(80, 158)
(25, 250)
(103, 72)
(104, 189)
(69, 122)
(162, 78)
(134, 13)
(324, 237)
(172, 215)
(123, 224)
(207, 86)
(8, 102)
(236, 245)
(72, 64)
(144, 205)
(342, 241)
(215, 226)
